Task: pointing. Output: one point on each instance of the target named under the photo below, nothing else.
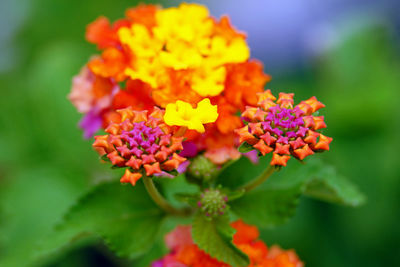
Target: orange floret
(245, 233)
(303, 152)
(311, 137)
(314, 104)
(143, 14)
(227, 120)
(152, 169)
(243, 82)
(131, 178)
(266, 95)
(224, 28)
(102, 33)
(263, 148)
(319, 123)
(111, 64)
(137, 95)
(245, 135)
(323, 142)
(282, 149)
(285, 100)
(279, 160)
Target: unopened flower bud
(213, 202)
(202, 168)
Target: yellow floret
(139, 40)
(183, 114)
(147, 70)
(221, 52)
(209, 81)
(187, 22)
(179, 55)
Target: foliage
(276, 201)
(136, 217)
(129, 224)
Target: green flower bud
(213, 202)
(202, 168)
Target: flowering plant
(186, 117)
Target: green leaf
(215, 238)
(275, 201)
(245, 147)
(318, 180)
(124, 216)
(267, 207)
(330, 186)
(32, 200)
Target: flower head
(183, 114)
(279, 127)
(142, 143)
(158, 56)
(183, 252)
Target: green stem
(160, 200)
(259, 180)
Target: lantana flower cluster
(142, 143)
(168, 89)
(154, 57)
(184, 253)
(285, 130)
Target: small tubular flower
(142, 143)
(183, 114)
(183, 252)
(282, 129)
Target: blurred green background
(349, 61)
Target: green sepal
(245, 147)
(105, 158)
(173, 172)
